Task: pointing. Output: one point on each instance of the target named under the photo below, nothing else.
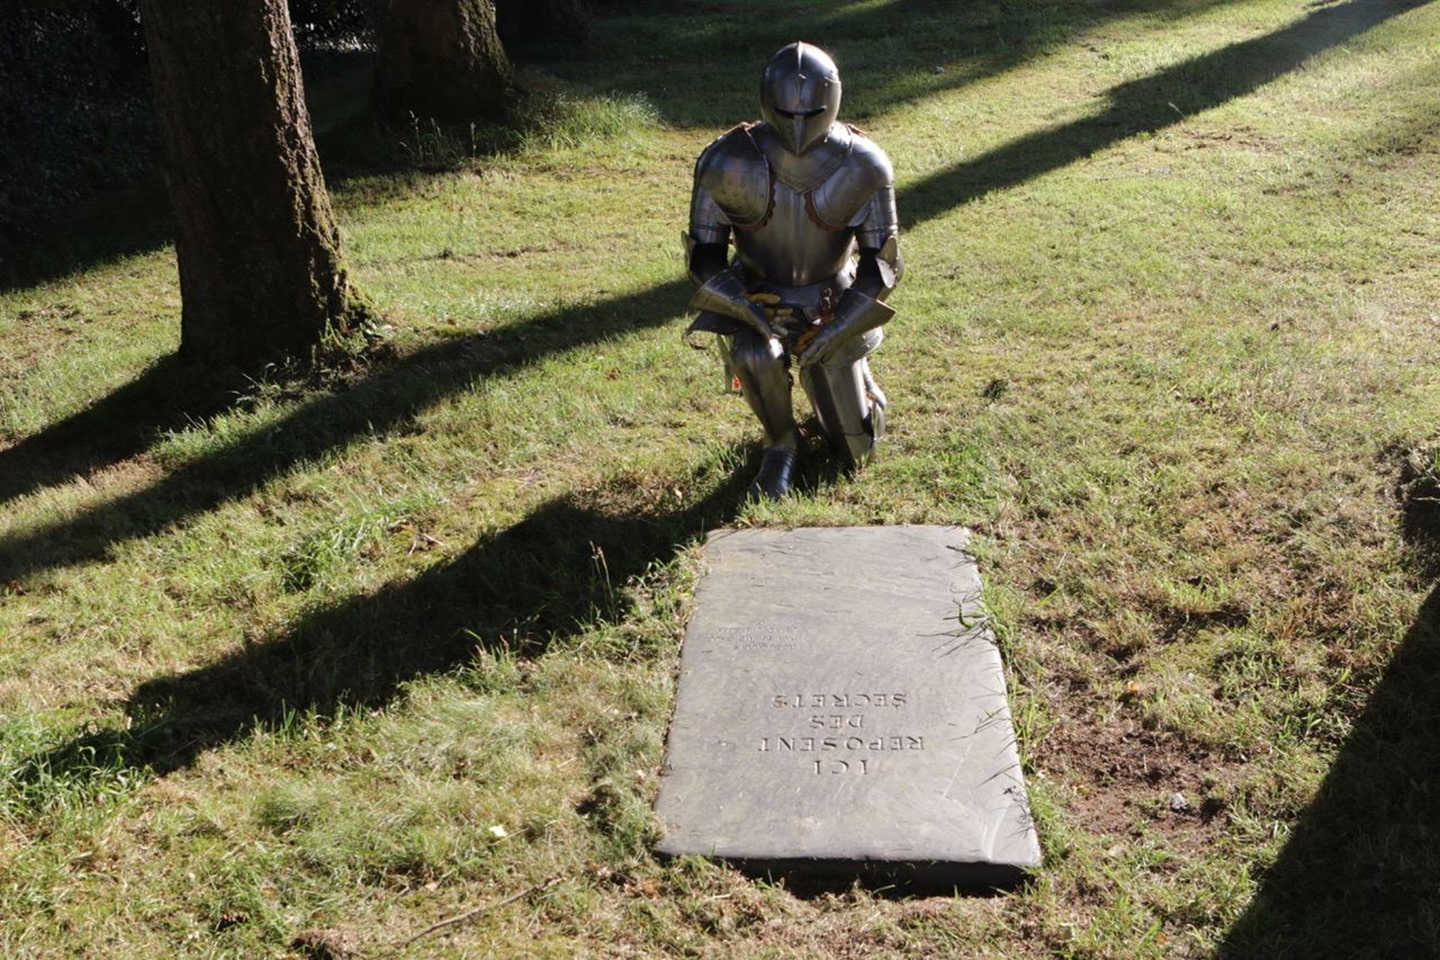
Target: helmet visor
(800, 95)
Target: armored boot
(773, 479)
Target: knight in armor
(809, 203)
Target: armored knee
(849, 407)
(753, 354)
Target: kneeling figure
(810, 205)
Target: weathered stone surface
(842, 709)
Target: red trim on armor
(815, 217)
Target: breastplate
(792, 216)
(791, 249)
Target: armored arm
(880, 266)
(719, 288)
(862, 306)
(731, 188)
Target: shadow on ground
(699, 63)
(1148, 105)
(898, 885)
(120, 222)
(524, 587)
(1360, 874)
(168, 395)
(695, 64)
(386, 401)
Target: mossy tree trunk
(261, 273)
(440, 60)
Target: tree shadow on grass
(387, 400)
(1148, 105)
(697, 63)
(108, 226)
(168, 395)
(523, 588)
(1359, 875)
(880, 48)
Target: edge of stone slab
(970, 877)
(963, 535)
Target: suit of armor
(800, 195)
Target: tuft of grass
(560, 120)
(46, 778)
(545, 118)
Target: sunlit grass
(316, 664)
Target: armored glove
(725, 293)
(856, 314)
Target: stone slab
(841, 710)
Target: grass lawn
(379, 662)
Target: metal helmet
(800, 95)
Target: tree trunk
(440, 60)
(261, 275)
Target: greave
(842, 401)
(764, 381)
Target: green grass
(302, 667)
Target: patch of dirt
(1417, 491)
(1127, 778)
(1241, 138)
(328, 944)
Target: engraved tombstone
(841, 709)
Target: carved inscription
(846, 728)
(852, 744)
(800, 700)
(756, 638)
